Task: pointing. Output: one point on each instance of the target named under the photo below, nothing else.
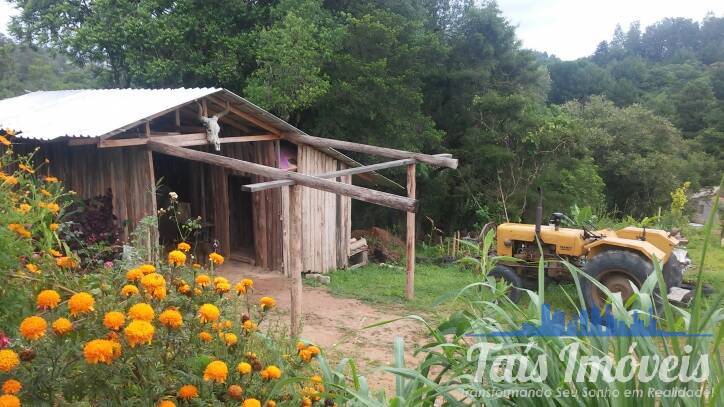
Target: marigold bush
(132, 333)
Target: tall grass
(451, 372)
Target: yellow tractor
(616, 258)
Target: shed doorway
(241, 226)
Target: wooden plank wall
(90, 172)
(326, 217)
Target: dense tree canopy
(423, 75)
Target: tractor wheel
(673, 272)
(507, 274)
(616, 269)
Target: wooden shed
(98, 141)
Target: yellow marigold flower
(316, 379)
(305, 354)
(230, 339)
(243, 368)
(270, 403)
(9, 360)
(216, 258)
(176, 258)
(12, 386)
(114, 320)
(251, 403)
(129, 290)
(209, 313)
(10, 180)
(62, 326)
(66, 262)
(166, 403)
(184, 289)
(235, 391)
(26, 168)
(81, 303)
(155, 285)
(51, 180)
(24, 208)
(33, 328)
(202, 280)
(147, 268)
(267, 303)
(314, 350)
(141, 312)
(196, 265)
(53, 227)
(20, 230)
(310, 393)
(222, 288)
(205, 336)
(271, 372)
(197, 291)
(188, 392)
(240, 289)
(301, 345)
(48, 299)
(55, 253)
(53, 207)
(220, 280)
(216, 371)
(45, 192)
(9, 400)
(99, 351)
(249, 325)
(134, 274)
(184, 247)
(139, 332)
(32, 268)
(171, 318)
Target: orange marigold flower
(270, 403)
(114, 320)
(53, 207)
(20, 230)
(196, 265)
(10, 180)
(53, 227)
(230, 339)
(222, 287)
(171, 318)
(81, 303)
(205, 336)
(62, 326)
(9, 360)
(176, 258)
(26, 168)
(251, 403)
(139, 332)
(249, 325)
(155, 285)
(202, 280)
(48, 299)
(216, 258)
(166, 403)
(5, 141)
(235, 391)
(32, 268)
(141, 312)
(45, 192)
(9, 400)
(147, 268)
(188, 392)
(134, 274)
(12, 386)
(306, 355)
(243, 368)
(271, 372)
(267, 303)
(184, 288)
(209, 313)
(33, 328)
(216, 371)
(51, 180)
(55, 253)
(66, 262)
(314, 350)
(24, 208)
(100, 351)
(129, 290)
(184, 247)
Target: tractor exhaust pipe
(539, 213)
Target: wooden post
(411, 186)
(295, 254)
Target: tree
(692, 105)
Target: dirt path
(336, 323)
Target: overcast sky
(568, 28)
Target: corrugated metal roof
(49, 115)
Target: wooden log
(362, 194)
(295, 255)
(335, 174)
(247, 116)
(184, 140)
(411, 191)
(368, 149)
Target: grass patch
(714, 268)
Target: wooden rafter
(183, 140)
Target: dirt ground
(336, 324)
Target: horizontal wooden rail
(368, 149)
(261, 186)
(355, 192)
(183, 140)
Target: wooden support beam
(411, 191)
(295, 257)
(368, 149)
(261, 186)
(248, 117)
(362, 194)
(184, 140)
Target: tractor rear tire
(615, 269)
(509, 275)
(673, 272)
